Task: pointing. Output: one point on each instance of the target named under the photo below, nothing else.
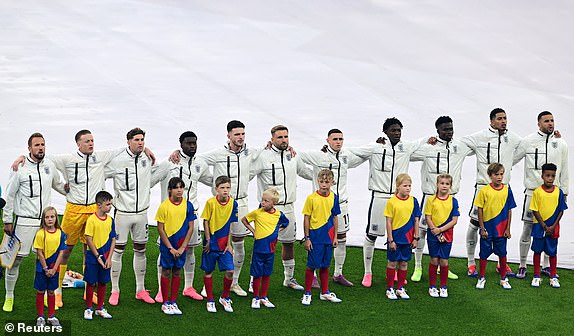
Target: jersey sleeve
(190, 212)
(89, 231)
(428, 207)
(480, 198)
(562, 202)
(63, 245)
(336, 208)
(283, 220)
(511, 202)
(39, 240)
(161, 214)
(416, 208)
(250, 217)
(207, 211)
(455, 210)
(389, 209)
(113, 233)
(535, 202)
(308, 207)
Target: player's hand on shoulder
(381, 140)
(18, 162)
(175, 156)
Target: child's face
(443, 186)
(548, 177)
(325, 183)
(176, 192)
(404, 189)
(50, 218)
(223, 190)
(267, 202)
(496, 178)
(105, 206)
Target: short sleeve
(250, 217)
(161, 214)
(283, 220)
(389, 209)
(89, 231)
(455, 211)
(207, 210)
(39, 240)
(416, 208)
(511, 202)
(190, 212)
(308, 207)
(534, 203)
(336, 208)
(428, 206)
(480, 198)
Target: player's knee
(371, 238)
(176, 272)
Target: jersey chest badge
(455, 149)
(144, 163)
(505, 139)
(47, 170)
(400, 148)
(288, 157)
(197, 168)
(344, 159)
(554, 144)
(246, 151)
(94, 160)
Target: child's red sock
(256, 286)
(226, 287)
(432, 275)
(402, 276)
(89, 295)
(175, 281)
(165, 288)
(51, 305)
(101, 295)
(443, 275)
(324, 276)
(265, 285)
(208, 282)
(536, 262)
(482, 267)
(309, 276)
(553, 261)
(502, 261)
(40, 304)
(391, 277)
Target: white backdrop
(168, 66)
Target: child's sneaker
(226, 303)
(417, 274)
(433, 292)
(306, 300)
(509, 272)
(402, 293)
(481, 282)
(40, 322)
(554, 282)
(471, 272)
(88, 314)
(166, 309)
(535, 282)
(329, 297)
(391, 294)
(211, 307)
(255, 303)
(53, 321)
(505, 284)
(175, 309)
(443, 292)
(367, 280)
(103, 313)
(292, 283)
(265, 301)
(521, 273)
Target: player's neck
(548, 187)
(324, 192)
(101, 214)
(175, 199)
(50, 229)
(496, 185)
(402, 196)
(442, 195)
(222, 199)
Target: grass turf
(364, 311)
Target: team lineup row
(133, 175)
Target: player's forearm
(188, 234)
(389, 224)
(163, 235)
(206, 232)
(42, 258)
(306, 225)
(91, 246)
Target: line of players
(133, 174)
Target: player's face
(236, 137)
(137, 144)
(223, 191)
(546, 124)
(548, 176)
(106, 206)
(50, 219)
(177, 192)
(280, 139)
(86, 144)
(443, 186)
(325, 184)
(189, 146)
(267, 202)
(404, 189)
(445, 131)
(394, 133)
(335, 141)
(37, 149)
(496, 178)
(499, 121)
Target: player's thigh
(537, 245)
(527, 215)
(405, 252)
(499, 245)
(343, 218)
(208, 261)
(444, 250)
(139, 228)
(473, 213)
(423, 222)
(239, 230)
(225, 262)
(551, 246)
(289, 234)
(485, 248)
(26, 229)
(377, 225)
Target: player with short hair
(441, 212)
(133, 176)
(445, 156)
(28, 192)
(496, 144)
(338, 160)
(495, 203)
(174, 218)
(191, 170)
(547, 206)
(100, 238)
(402, 214)
(538, 149)
(234, 160)
(268, 223)
(49, 244)
(219, 213)
(277, 168)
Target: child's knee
(229, 274)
